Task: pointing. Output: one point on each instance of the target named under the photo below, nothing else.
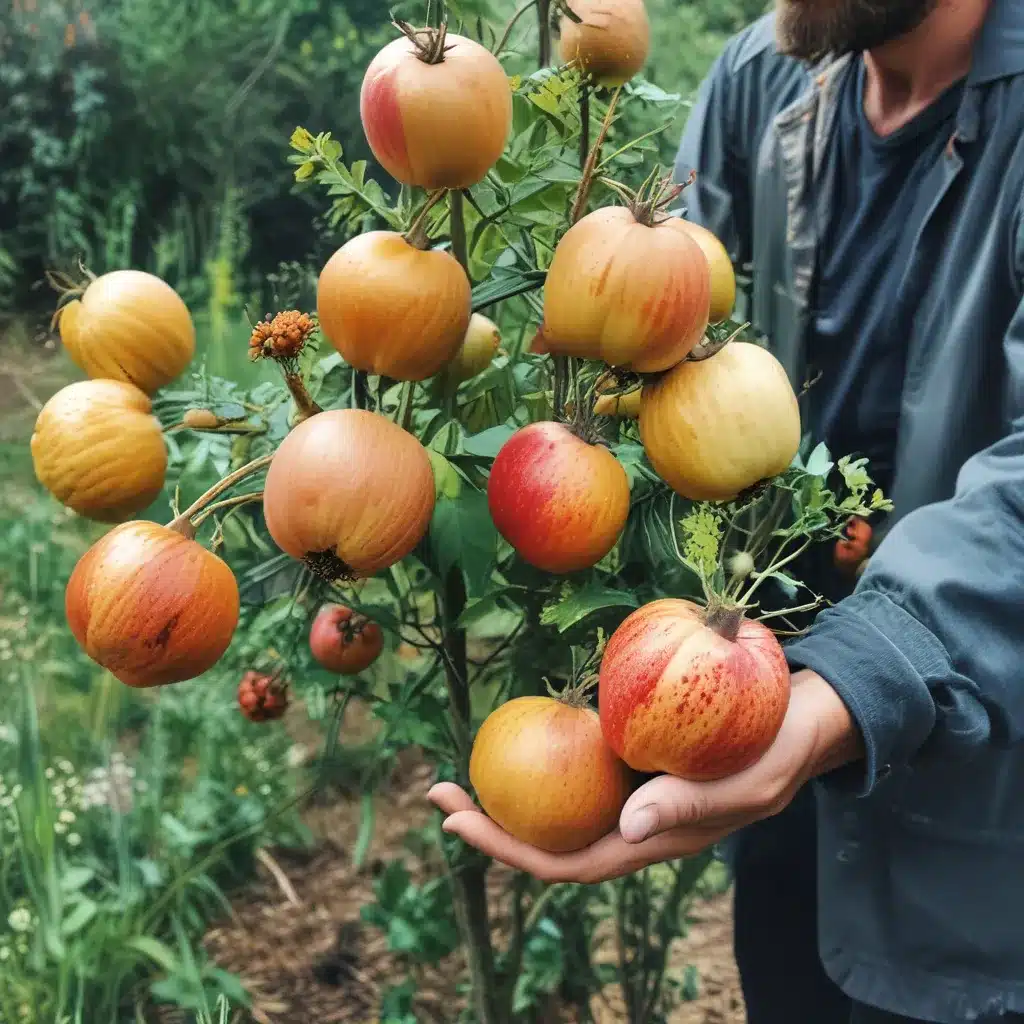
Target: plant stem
(584, 123)
(303, 402)
(776, 565)
(457, 219)
(417, 233)
(183, 522)
(241, 499)
(403, 414)
(544, 32)
(511, 25)
(590, 168)
(360, 390)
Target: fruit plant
(519, 434)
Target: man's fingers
(450, 798)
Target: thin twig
(511, 25)
(280, 877)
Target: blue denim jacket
(921, 846)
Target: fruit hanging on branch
(699, 693)
(542, 770)
(151, 605)
(394, 308)
(129, 326)
(629, 286)
(610, 42)
(262, 697)
(349, 493)
(343, 641)
(716, 427)
(436, 108)
(560, 501)
(723, 276)
(477, 350)
(98, 449)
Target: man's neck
(907, 74)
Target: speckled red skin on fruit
(676, 697)
(560, 502)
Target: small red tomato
(261, 697)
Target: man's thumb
(662, 804)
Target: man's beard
(813, 29)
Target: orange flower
(281, 337)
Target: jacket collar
(999, 52)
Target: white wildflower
(67, 817)
(20, 919)
(74, 839)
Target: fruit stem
(724, 619)
(303, 402)
(584, 123)
(511, 25)
(183, 523)
(590, 168)
(429, 42)
(417, 236)
(708, 348)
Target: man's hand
(667, 817)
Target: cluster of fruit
(631, 286)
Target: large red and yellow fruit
(544, 773)
(723, 276)
(129, 326)
(98, 449)
(151, 606)
(344, 642)
(611, 42)
(634, 295)
(559, 501)
(349, 493)
(716, 427)
(436, 110)
(392, 309)
(477, 350)
(696, 694)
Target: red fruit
(560, 502)
(345, 642)
(262, 698)
(852, 552)
(690, 692)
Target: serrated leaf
(566, 612)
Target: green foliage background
(148, 132)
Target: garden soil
(295, 938)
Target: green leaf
(85, 910)
(159, 953)
(462, 534)
(506, 282)
(366, 821)
(819, 462)
(75, 878)
(574, 606)
(488, 442)
(703, 537)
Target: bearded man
(867, 157)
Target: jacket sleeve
(928, 652)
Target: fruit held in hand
(544, 773)
(436, 109)
(349, 493)
(714, 428)
(696, 694)
(634, 294)
(559, 501)
(261, 697)
(129, 326)
(723, 277)
(343, 641)
(97, 449)
(390, 308)
(151, 606)
(477, 350)
(611, 42)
